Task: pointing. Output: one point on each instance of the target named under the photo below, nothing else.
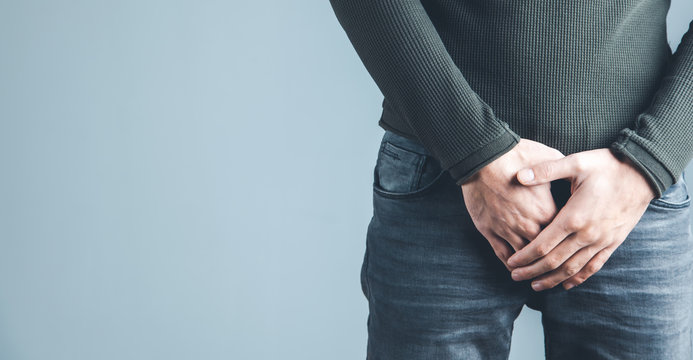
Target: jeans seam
(364, 274)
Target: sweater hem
(653, 170)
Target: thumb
(547, 171)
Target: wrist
(651, 189)
(474, 177)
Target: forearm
(405, 56)
(660, 143)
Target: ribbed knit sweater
(469, 78)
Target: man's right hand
(506, 213)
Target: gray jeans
(437, 291)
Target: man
(528, 144)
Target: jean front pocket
(675, 197)
(404, 169)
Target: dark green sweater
(469, 78)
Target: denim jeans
(436, 290)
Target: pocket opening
(403, 169)
(676, 197)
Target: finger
(559, 256)
(548, 171)
(500, 248)
(514, 240)
(545, 150)
(539, 208)
(528, 230)
(569, 219)
(542, 245)
(570, 267)
(591, 268)
(555, 154)
(553, 260)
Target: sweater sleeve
(661, 141)
(404, 54)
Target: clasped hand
(510, 203)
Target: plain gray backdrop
(189, 180)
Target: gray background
(188, 180)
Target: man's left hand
(608, 198)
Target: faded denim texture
(437, 291)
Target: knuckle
(526, 228)
(593, 267)
(589, 234)
(574, 223)
(544, 171)
(577, 280)
(552, 262)
(552, 283)
(501, 255)
(531, 231)
(542, 250)
(487, 233)
(592, 251)
(521, 227)
(579, 163)
(565, 227)
(583, 241)
(570, 269)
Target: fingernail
(536, 286)
(526, 175)
(512, 261)
(515, 274)
(569, 286)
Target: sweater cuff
(467, 167)
(654, 171)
